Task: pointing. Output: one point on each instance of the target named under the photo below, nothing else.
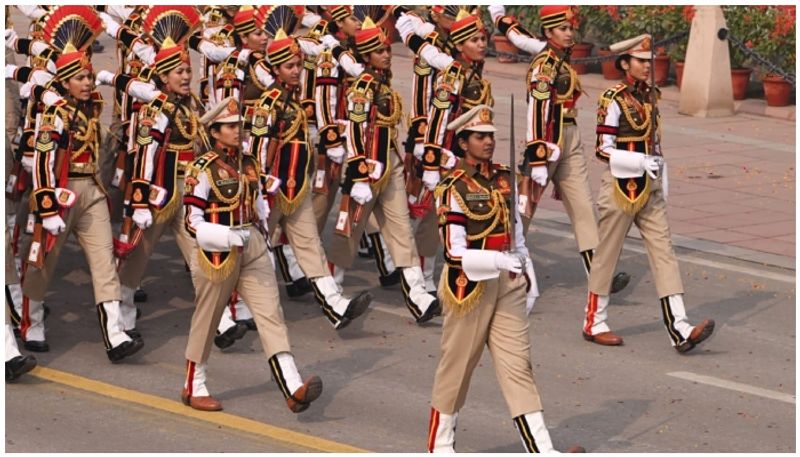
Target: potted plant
(677, 52)
(741, 21)
(776, 43)
(581, 48)
(606, 25)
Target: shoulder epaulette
(547, 61)
(202, 162)
(363, 83)
(448, 181)
(500, 167)
(608, 96)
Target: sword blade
(512, 164)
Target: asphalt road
(378, 372)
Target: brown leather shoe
(606, 338)
(207, 403)
(576, 450)
(700, 333)
(302, 397)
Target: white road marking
(735, 386)
(689, 259)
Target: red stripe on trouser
(190, 377)
(25, 319)
(433, 425)
(284, 239)
(422, 262)
(232, 304)
(590, 313)
(331, 267)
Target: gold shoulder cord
(645, 124)
(232, 201)
(191, 134)
(498, 203)
(394, 117)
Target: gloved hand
(423, 29)
(555, 152)
(104, 77)
(430, 178)
(509, 261)
(11, 38)
(533, 286)
(496, 12)
(25, 90)
(143, 218)
(361, 192)
(238, 237)
(329, 41)
(651, 165)
(404, 26)
(539, 175)
(54, 224)
(336, 154)
(27, 163)
(419, 149)
(112, 27)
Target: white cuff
(213, 237)
(10, 70)
(625, 164)
(479, 265)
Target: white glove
(11, 38)
(104, 78)
(143, 218)
(651, 165)
(423, 29)
(539, 175)
(404, 26)
(361, 192)
(25, 90)
(310, 19)
(238, 237)
(509, 261)
(350, 65)
(329, 41)
(10, 70)
(430, 178)
(533, 291)
(336, 154)
(54, 224)
(419, 149)
(555, 151)
(496, 12)
(112, 26)
(451, 161)
(27, 163)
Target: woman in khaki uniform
(487, 279)
(226, 212)
(633, 191)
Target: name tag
(225, 182)
(477, 197)
(34, 253)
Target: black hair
(620, 59)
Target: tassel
(286, 206)
(451, 303)
(166, 213)
(217, 273)
(627, 205)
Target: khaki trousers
(654, 227)
(133, 268)
(499, 322)
(300, 228)
(570, 177)
(390, 208)
(427, 234)
(88, 219)
(253, 277)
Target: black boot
(18, 366)
(226, 339)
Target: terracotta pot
(579, 51)
(679, 73)
(508, 53)
(662, 69)
(776, 90)
(739, 79)
(609, 70)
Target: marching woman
(373, 182)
